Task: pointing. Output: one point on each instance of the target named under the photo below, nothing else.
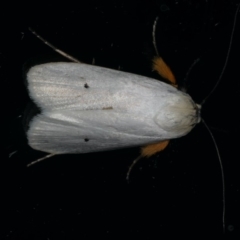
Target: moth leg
(158, 63)
(164, 70)
(41, 159)
(71, 58)
(148, 151)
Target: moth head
(179, 116)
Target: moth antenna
(131, 167)
(227, 57)
(222, 173)
(154, 35)
(208, 129)
(71, 58)
(184, 89)
(41, 159)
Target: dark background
(87, 196)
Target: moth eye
(86, 139)
(86, 85)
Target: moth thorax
(179, 117)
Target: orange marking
(164, 70)
(148, 151)
(151, 149)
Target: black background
(87, 196)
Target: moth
(86, 108)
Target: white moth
(86, 108)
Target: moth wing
(87, 108)
(72, 85)
(58, 136)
